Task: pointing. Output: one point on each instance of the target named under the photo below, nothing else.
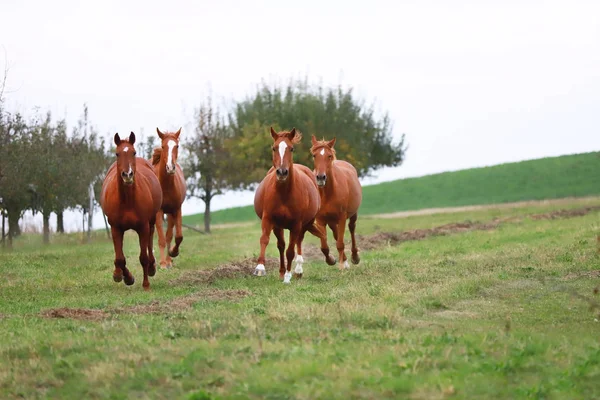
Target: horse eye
(117, 154)
(273, 149)
(331, 157)
(291, 149)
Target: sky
(470, 83)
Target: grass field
(503, 309)
(546, 178)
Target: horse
(287, 198)
(130, 198)
(174, 188)
(341, 195)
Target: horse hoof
(147, 288)
(355, 258)
(287, 277)
(117, 278)
(129, 280)
(173, 254)
(346, 265)
(152, 270)
(298, 276)
(331, 260)
(260, 270)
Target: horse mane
(320, 144)
(156, 155)
(286, 134)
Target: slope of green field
(547, 178)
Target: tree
(363, 139)
(207, 164)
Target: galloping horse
(341, 195)
(172, 182)
(130, 198)
(287, 198)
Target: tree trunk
(106, 225)
(46, 217)
(207, 214)
(3, 229)
(91, 213)
(60, 222)
(13, 225)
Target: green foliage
(363, 139)
(545, 178)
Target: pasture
(489, 303)
(545, 178)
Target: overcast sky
(471, 83)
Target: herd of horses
(137, 193)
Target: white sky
(471, 83)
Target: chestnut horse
(341, 195)
(287, 198)
(172, 182)
(130, 199)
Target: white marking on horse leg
(287, 277)
(282, 146)
(260, 270)
(299, 261)
(346, 265)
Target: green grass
(546, 178)
(483, 314)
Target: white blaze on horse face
(126, 149)
(322, 152)
(171, 145)
(282, 146)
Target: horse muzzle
(127, 178)
(171, 170)
(321, 180)
(282, 174)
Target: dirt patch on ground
(577, 212)
(583, 274)
(380, 239)
(75, 313)
(154, 307)
(230, 270)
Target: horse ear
(313, 140)
(331, 143)
(292, 134)
(274, 134)
(117, 139)
(160, 134)
(131, 138)
(178, 133)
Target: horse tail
(156, 155)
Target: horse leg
(267, 227)
(352, 228)
(174, 252)
(121, 272)
(169, 237)
(341, 227)
(298, 271)
(319, 230)
(151, 259)
(144, 236)
(290, 253)
(162, 243)
(281, 247)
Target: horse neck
(127, 193)
(285, 188)
(331, 183)
(165, 179)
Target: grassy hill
(546, 178)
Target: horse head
(283, 147)
(324, 154)
(170, 147)
(126, 158)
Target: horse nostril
(321, 177)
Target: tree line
(47, 169)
